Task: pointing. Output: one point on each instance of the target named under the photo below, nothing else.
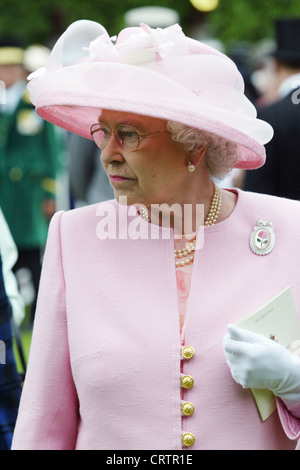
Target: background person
(10, 387)
(88, 181)
(9, 253)
(280, 175)
(29, 162)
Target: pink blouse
(183, 278)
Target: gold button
(188, 439)
(187, 408)
(187, 381)
(15, 173)
(187, 352)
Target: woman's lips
(118, 178)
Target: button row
(187, 408)
(17, 174)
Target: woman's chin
(126, 199)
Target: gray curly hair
(221, 154)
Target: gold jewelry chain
(185, 256)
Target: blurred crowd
(271, 71)
(44, 169)
(36, 174)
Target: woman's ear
(194, 157)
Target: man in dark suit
(280, 175)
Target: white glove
(258, 362)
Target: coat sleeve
(290, 424)
(48, 413)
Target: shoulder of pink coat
(283, 209)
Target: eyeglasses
(127, 137)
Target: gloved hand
(258, 362)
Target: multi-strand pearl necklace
(187, 253)
(215, 206)
(185, 256)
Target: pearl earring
(191, 167)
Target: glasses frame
(140, 137)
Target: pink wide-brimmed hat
(153, 72)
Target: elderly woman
(127, 349)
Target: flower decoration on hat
(138, 46)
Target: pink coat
(105, 363)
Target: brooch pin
(262, 239)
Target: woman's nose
(112, 151)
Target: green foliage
(234, 20)
(43, 21)
(250, 20)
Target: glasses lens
(100, 135)
(128, 137)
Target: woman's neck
(185, 213)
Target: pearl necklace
(215, 206)
(144, 213)
(211, 218)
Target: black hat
(288, 40)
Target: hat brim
(73, 97)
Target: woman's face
(155, 173)
(10, 74)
